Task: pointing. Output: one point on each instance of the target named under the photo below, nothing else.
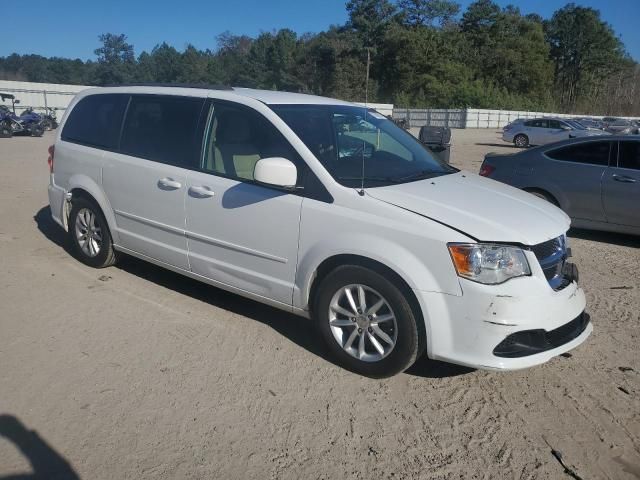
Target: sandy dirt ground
(136, 373)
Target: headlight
(488, 263)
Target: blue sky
(69, 28)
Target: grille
(547, 249)
(530, 342)
(552, 255)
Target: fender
(86, 183)
(405, 263)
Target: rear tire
(36, 130)
(372, 330)
(5, 130)
(521, 140)
(89, 234)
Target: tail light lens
(52, 149)
(486, 170)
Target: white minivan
(321, 208)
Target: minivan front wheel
(89, 234)
(366, 321)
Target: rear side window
(629, 155)
(96, 120)
(162, 128)
(592, 153)
(537, 123)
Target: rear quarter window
(95, 121)
(590, 153)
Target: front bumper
(467, 329)
(507, 137)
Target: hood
(588, 133)
(482, 208)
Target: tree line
(423, 53)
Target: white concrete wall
(483, 118)
(383, 108)
(39, 95)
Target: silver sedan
(540, 131)
(596, 181)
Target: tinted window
(629, 155)
(593, 153)
(555, 124)
(96, 121)
(237, 137)
(537, 123)
(162, 128)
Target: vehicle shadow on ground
(45, 461)
(297, 329)
(621, 239)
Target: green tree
(585, 51)
(116, 60)
(425, 12)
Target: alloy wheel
(88, 232)
(363, 323)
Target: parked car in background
(324, 209)
(540, 131)
(621, 127)
(512, 124)
(596, 181)
(592, 123)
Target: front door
(621, 186)
(240, 233)
(578, 170)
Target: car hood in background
(481, 208)
(587, 133)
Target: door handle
(201, 192)
(168, 184)
(623, 179)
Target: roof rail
(176, 85)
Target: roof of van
(265, 96)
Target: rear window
(162, 128)
(592, 153)
(537, 123)
(95, 121)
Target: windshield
(349, 139)
(577, 125)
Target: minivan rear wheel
(366, 321)
(521, 140)
(89, 234)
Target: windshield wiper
(421, 175)
(373, 179)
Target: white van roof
(264, 96)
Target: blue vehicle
(29, 123)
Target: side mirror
(276, 171)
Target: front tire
(367, 322)
(521, 141)
(89, 235)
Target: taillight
(486, 170)
(52, 149)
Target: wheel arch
(331, 263)
(84, 186)
(543, 191)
